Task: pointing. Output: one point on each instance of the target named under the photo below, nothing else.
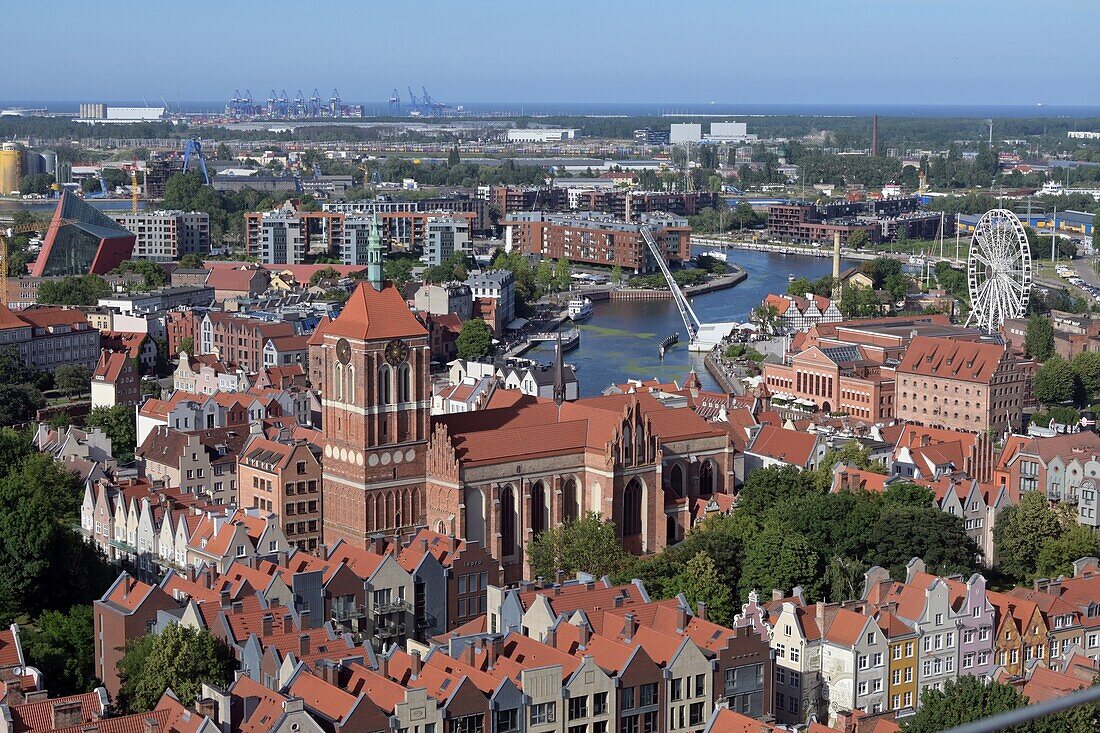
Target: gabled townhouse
(902, 693)
(925, 452)
(1063, 622)
(237, 536)
(1065, 467)
(459, 704)
(1020, 634)
(1082, 591)
(285, 480)
(432, 591)
(115, 380)
(338, 711)
(854, 659)
(253, 708)
(796, 642)
(977, 504)
(207, 375)
(67, 444)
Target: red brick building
(372, 362)
(285, 480)
(127, 610)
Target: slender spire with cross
(559, 373)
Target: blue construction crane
(414, 101)
(315, 104)
(334, 103)
(299, 105)
(194, 147)
(282, 105)
(395, 103)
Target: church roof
(373, 314)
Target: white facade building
(165, 236)
(444, 236)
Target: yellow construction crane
(134, 187)
(6, 232)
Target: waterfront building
(597, 239)
(845, 379)
(630, 205)
(801, 313)
(494, 298)
(507, 200)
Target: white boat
(580, 309)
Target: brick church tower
(371, 366)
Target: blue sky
(732, 51)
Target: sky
(524, 51)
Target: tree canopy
(1039, 338)
(475, 340)
(62, 646)
(588, 545)
(83, 290)
(1022, 532)
(180, 658)
(120, 425)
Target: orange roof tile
(371, 314)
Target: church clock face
(343, 351)
(397, 351)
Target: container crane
(334, 103)
(5, 253)
(315, 104)
(271, 103)
(395, 103)
(299, 105)
(247, 102)
(414, 102)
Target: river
(620, 340)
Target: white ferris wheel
(998, 270)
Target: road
(1086, 272)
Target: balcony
(389, 630)
(347, 613)
(398, 605)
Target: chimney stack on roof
(701, 611)
(415, 667)
(288, 624)
(681, 618)
(303, 645)
(584, 634)
(628, 627)
(268, 625)
(492, 651)
(224, 597)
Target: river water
(620, 340)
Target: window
(909, 699)
(876, 684)
(543, 713)
(628, 698)
(599, 703)
(780, 651)
(780, 700)
(908, 649)
(466, 724)
(629, 724)
(507, 721)
(578, 707)
(896, 651)
(649, 722)
(895, 702)
(876, 660)
(677, 689)
(648, 694)
(862, 689)
(796, 679)
(780, 676)
(695, 714)
(871, 638)
(895, 677)
(863, 662)
(795, 653)
(700, 685)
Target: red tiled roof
(8, 319)
(730, 721)
(968, 361)
(38, 715)
(329, 700)
(46, 317)
(381, 690)
(10, 654)
(373, 314)
(110, 366)
(787, 446)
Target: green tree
(766, 487)
(38, 183)
(187, 345)
(19, 403)
(544, 276)
(779, 558)
(72, 378)
(223, 152)
(1039, 338)
(85, 290)
(904, 493)
(858, 239)
(153, 275)
(120, 425)
(588, 545)
(799, 286)
(562, 279)
(1086, 366)
(398, 271)
(325, 273)
(616, 275)
(766, 316)
(962, 701)
(937, 537)
(475, 340)
(1056, 382)
(700, 582)
(62, 646)
(1021, 532)
(180, 658)
(191, 261)
(453, 158)
(1058, 553)
(857, 302)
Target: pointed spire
(559, 373)
(375, 252)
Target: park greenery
(61, 644)
(20, 388)
(152, 275)
(73, 290)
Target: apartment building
(630, 205)
(444, 236)
(598, 239)
(1064, 467)
(284, 480)
(959, 385)
(494, 297)
(165, 236)
(47, 338)
(115, 380)
(237, 339)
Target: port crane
(194, 147)
(5, 251)
(299, 105)
(395, 103)
(334, 103)
(315, 104)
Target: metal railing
(395, 606)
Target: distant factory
(94, 113)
